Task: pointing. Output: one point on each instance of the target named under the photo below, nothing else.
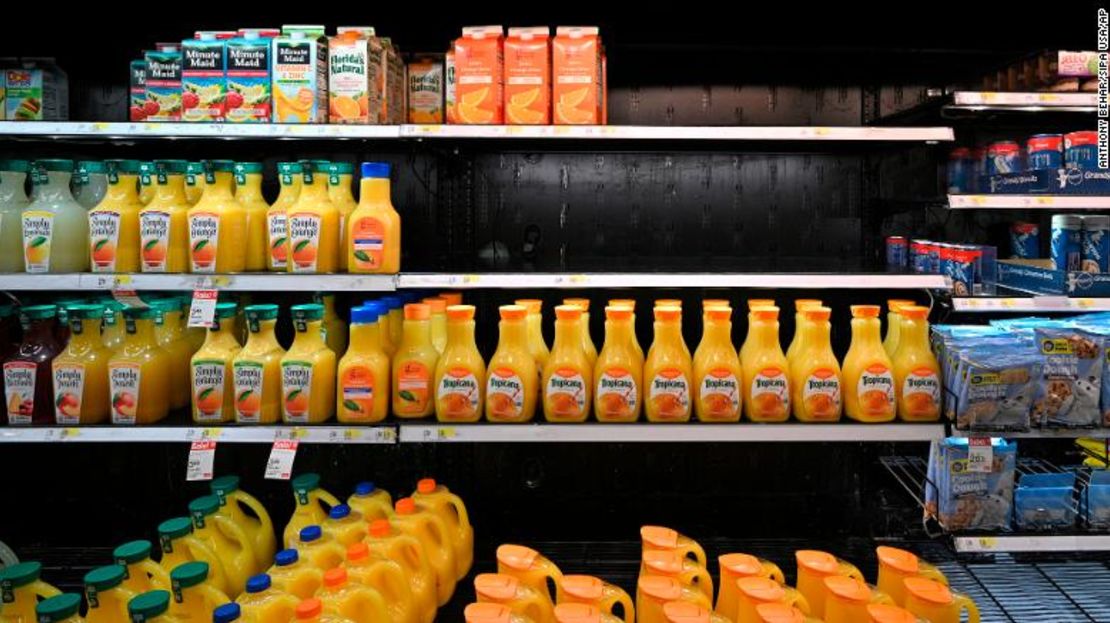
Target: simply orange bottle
(277, 229)
(668, 370)
(587, 342)
(528, 76)
(81, 370)
(143, 574)
(340, 176)
(450, 507)
(248, 192)
(536, 344)
(414, 365)
(916, 372)
(194, 182)
(227, 540)
(194, 598)
(815, 378)
(567, 384)
(387, 541)
(114, 222)
(169, 328)
(308, 370)
(512, 380)
(217, 224)
(163, 229)
(211, 369)
(313, 223)
(576, 75)
(479, 76)
(868, 372)
(766, 371)
(717, 395)
(257, 369)
(181, 545)
(385, 576)
(460, 377)
(106, 595)
(373, 229)
(139, 372)
(619, 371)
(363, 387)
(427, 527)
(894, 324)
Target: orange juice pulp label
(576, 75)
(426, 90)
(527, 76)
(478, 76)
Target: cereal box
(479, 68)
(425, 97)
(163, 84)
(528, 76)
(137, 110)
(353, 69)
(203, 78)
(576, 75)
(299, 79)
(248, 98)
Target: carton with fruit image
(354, 72)
(299, 79)
(203, 78)
(528, 76)
(163, 84)
(478, 76)
(576, 96)
(248, 79)
(138, 91)
(425, 97)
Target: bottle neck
(317, 189)
(668, 330)
(88, 335)
(816, 334)
(568, 334)
(764, 333)
(913, 333)
(312, 333)
(289, 192)
(220, 187)
(249, 187)
(11, 187)
(124, 190)
(222, 335)
(171, 323)
(172, 190)
(416, 333)
(865, 332)
(140, 330)
(343, 188)
(718, 330)
(513, 332)
(264, 332)
(460, 333)
(374, 189)
(618, 331)
(365, 336)
(56, 187)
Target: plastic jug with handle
(530, 567)
(142, 573)
(846, 599)
(64, 608)
(106, 595)
(21, 590)
(180, 545)
(234, 504)
(492, 613)
(935, 603)
(755, 591)
(345, 526)
(895, 565)
(312, 611)
(371, 502)
(359, 603)
(782, 613)
(309, 511)
(882, 613)
(653, 591)
(294, 576)
(318, 548)
(732, 567)
(406, 551)
(194, 598)
(582, 613)
(151, 607)
(226, 539)
(439, 499)
(673, 564)
(606, 597)
(500, 588)
(813, 567)
(427, 527)
(660, 538)
(385, 576)
(686, 612)
(263, 603)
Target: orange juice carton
(163, 83)
(396, 89)
(353, 66)
(248, 98)
(299, 78)
(425, 98)
(449, 85)
(203, 78)
(136, 112)
(528, 76)
(479, 69)
(576, 75)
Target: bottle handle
(931, 572)
(256, 507)
(159, 578)
(214, 596)
(795, 598)
(326, 498)
(688, 547)
(216, 569)
(695, 596)
(698, 577)
(963, 602)
(44, 590)
(460, 509)
(848, 569)
(879, 597)
(236, 533)
(611, 595)
(772, 571)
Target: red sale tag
(980, 455)
(202, 454)
(203, 309)
(280, 464)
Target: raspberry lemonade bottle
(217, 224)
(257, 369)
(277, 232)
(868, 376)
(313, 223)
(567, 384)
(815, 377)
(139, 372)
(81, 370)
(512, 378)
(766, 372)
(211, 372)
(114, 222)
(163, 231)
(363, 391)
(55, 227)
(340, 176)
(717, 372)
(916, 373)
(308, 370)
(248, 192)
(414, 364)
(28, 390)
(619, 370)
(374, 227)
(460, 376)
(668, 370)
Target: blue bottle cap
(286, 557)
(258, 583)
(310, 533)
(339, 511)
(375, 169)
(365, 488)
(226, 613)
(368, 312)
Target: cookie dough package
(965, 500)
(1100, 324)
(1070, 385)
(994, 388)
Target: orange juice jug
(163, 230)
(619, 370)
(882, 613)
(335, 330)
(587, 343)
(217, 224)
(277, 231)
(935, 603)
(813, 567)
(868, 377)
(142, 574)
(686, 612)
(293, 576)
(528, 76)
(363, 387)
(895, 565)
(766, 372)
(754, 593)
(81, 370)
(653, 591)
(460, 376)
(532, 568)
(576, 75)
(534, 322)
(234, 505)
(114, 222)
(815, 377)
(414, 364)
(894, 324)
(595, 593)
(373, 231)
(151, 607)
(493, 613)
(22, 589)
(319, 549)
(406, 551)
(312, 611)
(112, 331)
(673, 564)
(668, 370)
(583, 613)
(168, 329)
(344, 525)
(386, 577)
(497, 588)
(194, 182)
(55, 227)
(308, 511)
(800, 305)
(340, 175)
(846, 599)
(180, 545)
(478, 76)
(63, 608)
(248, 192)
(450, 507)
(139, 372)
(106, 595)
(146, 182)
(512, 379)
(256, 369)
(226, 539)
(717, 396)
(371, 502)
(427, 527)
(438, 322)
(567, 378)
(916, 372)
(385, 323)
(353, 601)
(262, 602)
(194, 598)
(308, 370)
(313, 223)
(736, 566)
(660, 538)
(211, 380)
(745, 347)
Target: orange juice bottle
(385, 576)
(414, 364)
(194, 182)
(318, 548)
(478, 76)
(512, 379)
(217, 224)
(752, 304)
(194, 598)
(248, 192)
(106, 594)
(668, 370)
(450, 507)
(312, 611)
(139, 372)
(717, 396)
(815, 378)
(171, 336)
(210, 369)
(163, 231)
(800, 306)
(293, 576)
(146, 182)
(528, 76)
(308, 370)
(373, 231)
(346, 526)
(340, 175)
(180, 545)
(313, 223)
(112, 330)
(587, 343)
(114, 222)
(916, 372)
(427, 527)
(567, 378)
(631, 305)
(256, 369)
(893, 324)
(385, 323)
(351, 600)
(363, 388)
(576, 75)
(226, 539)
(534, 323)
(371, 502)
(234, 506)
(309, 510)
(335, 330)
(394, 545)
(396, 320)
(868, 376)
(438, 322)
(766, 371)
(22, 590)
(143, 574)
(460, 376)
(277, 230)
(264, 603)
(81, 370)
(619, 370)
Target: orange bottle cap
(740, 565)
(823, 563)
(761, 590)
(577, 613)
(584, 587)
(309, 608)
(847, 588)
(452, 298)
(623, 303)
(534, 306)
(659, 537)
(715, 303)
(438, 304)
(883, 613)
(865, 311)
(894, 304)
(335, 577)
(358, 551)
(379, 528)
(668, 303)
(616, 312)
(753, 303)
(426, 485)
(928, 590)
(914, 312)
(779, 613)
(663, 561)
(765, 312)
(583, 303)
(659, 587)
(512, 312)
(568, 312)
(460, 313)
(801, 304)
(517, 556)
(718, 313)
(496, 587)
(816, 314)
(417, 311)
(898, 559)
(685, 612)
(668, 313)
(487, 613)
(405, 506)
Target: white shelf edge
(1039, 433)
(1030, 304)
(256, 282)
(1033, 543)
(111, 129)
(1028, 202)
(1047, 101)
(667, 433)
(221, 434)
(670, 280)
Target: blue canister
(1081, 150)
(897, 253)
(1003, 157)
(1045, 151)
(1025, 241)
(919, 255)
(1067, 241)
(959, 171)
(1096, 243)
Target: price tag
(201, 456)
(128, 297)
(203, 309)
(280, 464)
(980, 455)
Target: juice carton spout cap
(527, 33)
(576, 32)
(481, 32)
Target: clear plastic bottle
(55, 226)
(340, 175)
(28, 388)
(90, 183)
(114, 222)
(13, 200)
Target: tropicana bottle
(414, 364)
(630, 304)
(340, 175)
(868, 372)
(163, 227)
(210, 369)
(815, 377)
(13, 200)
(217, 224)
(363, 387)
(511, 378)
(308, 370)
(277, 230)
(248, 192)
(114, 222)
(567, 384)
(55, 227)
(797, 342)
(584, 327)
(619, 370)
(766, 372)
(893, 324)
(374, 228)
(313, 223)
(460, 376)
(752, 304)
(536, 344)
(257, 369)
(916, 373)
(668, 370)
(717, 396)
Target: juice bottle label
(921, 392)
(69, 387)
(19, 390)
(204, 234)
(566, 393)
(304, 241)
(770, 393)
(821, 394)
(203, 79)
(670, 393)
(248, 390)
(248, 81)
(279, 240)
(505, 393)
(38, 229)
(875, 389)
(208, 389)
(358, 392)
(720, 393)
(154, 233)
(616, 393)
(123, 379)
(296, 387)
(163, 86)
(104, 236)
(458, 394)
(413, 380)
(368, 242)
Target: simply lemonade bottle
(717, 396)
(257, 369)
(815, 377)
(163, 229)
(414, 364)
(55, 227)
(217, 224)
(438, 326)
(587, 343)
(81, 370)
(868, 376)
(893, 324)
(374, 228)
(766, 372)
(313, 223)
(796, 342)
(916, 373)
(211, 372)
(13, 200)
(363, 389)
(277, 231)
(668, 370)
(536, 344)
(460, 376)
(194, 182)
(308, 370)
(169, 331)
(619, 370)
(248, 192)
(512, 380)
(139, 372)
(114, 222)
(340, 176)
(567, 384)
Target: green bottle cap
(148, 606)
(58, 608)
(132, 552)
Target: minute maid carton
(203, 78)
(300, 75)
(248, 78)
